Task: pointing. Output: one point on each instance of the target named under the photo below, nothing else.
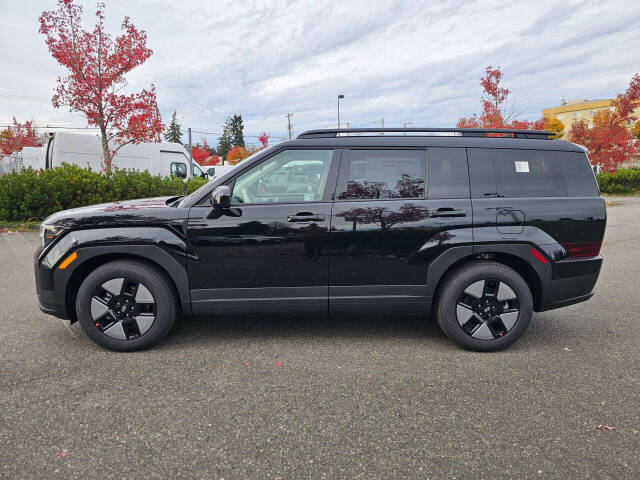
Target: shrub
(32, 195)
(623, 181)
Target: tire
(126, 305)
(484, 306)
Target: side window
(179, 169)
(197, 172)
(515, 173)
(384, 174)
(291, 176)
(448, 173)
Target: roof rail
(465, 132)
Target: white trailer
(86, 150)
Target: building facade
(570, 112)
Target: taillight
(582, 249)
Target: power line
(220, 133)
(23, 98)
(54, 126)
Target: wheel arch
(155, 257)
(525, 269)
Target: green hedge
(31, 195)
(623, 181)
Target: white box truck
(84, 150)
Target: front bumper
(50, 301)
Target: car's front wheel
(126, 305)
(484, 306)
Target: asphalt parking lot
(349, 398)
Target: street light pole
(190, 154)
(339, 97)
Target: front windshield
(199, 191)
(196, 171)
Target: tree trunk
(106, 154)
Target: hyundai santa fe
(479, 228)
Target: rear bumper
(573, 281)
(566, 302)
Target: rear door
(543, 197)
(387, 228)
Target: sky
(416, 61)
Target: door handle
(305, 217)
(447, 212)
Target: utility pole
(339, 97)
(381, 122)
(289, 127)
(190, 154)
(405, 126)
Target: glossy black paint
(256, 254)
(334, 255)
(147, 229)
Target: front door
(269, 251)
(387, 227)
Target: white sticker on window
(522, 167)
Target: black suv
(482, 227)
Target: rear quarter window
(516, 173)
(578, 174)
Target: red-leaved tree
(608, 141)
(264, 139)
(200, 153)
(236, 155)
(496, 113)
(211, 161)
(17, 136)
(97, 65)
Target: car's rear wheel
(484, 306)
(126, 305)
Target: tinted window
(384, 174)
(578, 174)
(527, 173)
(448, 173)
(292, 176)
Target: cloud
(408, 61)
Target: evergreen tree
(225, 142)
(237, 130)
(174, 132)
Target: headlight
(48, 233)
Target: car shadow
(278, 326)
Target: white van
(216, 171)
(86, 150)
(32, 157)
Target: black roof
(401, 137)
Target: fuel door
(510, 220)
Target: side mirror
(211, 171)
(221, 197)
